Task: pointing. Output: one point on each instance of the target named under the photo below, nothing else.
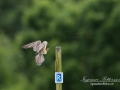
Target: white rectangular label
(58, 77)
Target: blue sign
(58, 77)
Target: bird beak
(47, 49)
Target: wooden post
(58, 65)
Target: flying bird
(40, 49)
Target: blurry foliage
(87, 30)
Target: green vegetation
(87, 30)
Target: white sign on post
(58, 77)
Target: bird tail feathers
(39, 58)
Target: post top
(58, 48)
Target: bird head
(47, 49)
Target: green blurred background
(87, 30)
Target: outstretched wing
(33, 44)
(42, 46)
(39, 58)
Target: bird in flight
(40, 49)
